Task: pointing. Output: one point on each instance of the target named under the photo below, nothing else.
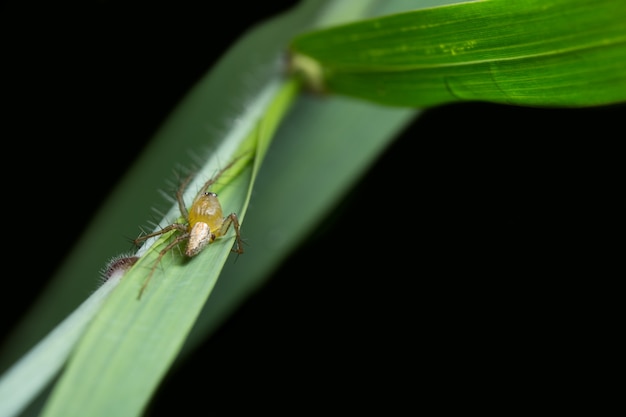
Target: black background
(509, 207)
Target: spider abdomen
(199, 236)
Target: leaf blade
(556, 53)
(132, 342)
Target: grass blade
(534, 52)
(132, 342)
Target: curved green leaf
(531, 52)
(124, 353)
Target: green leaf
(133, 341)
(531, 52)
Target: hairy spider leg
(179, 238)
(179, 197)
(173, 226)
(212, 181)
(233, 220)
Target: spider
(204, 222)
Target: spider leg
(229, 220)
(173, 226)
(211, 181)
(162, 253)
(179, 197)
